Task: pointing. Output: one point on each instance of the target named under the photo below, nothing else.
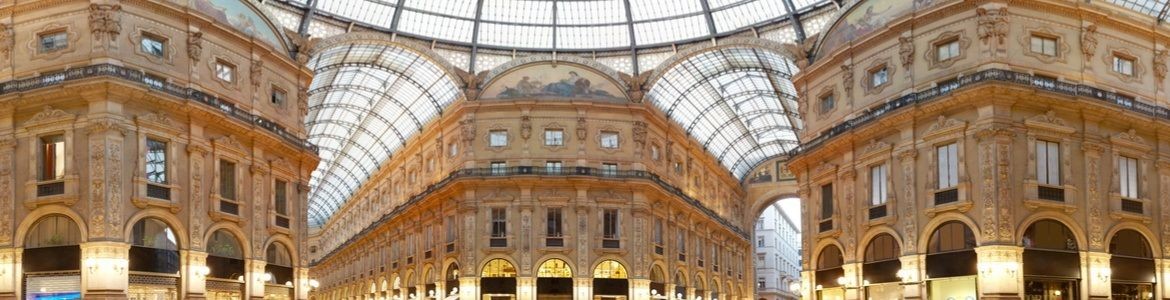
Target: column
(301, 283)
(1163, 271)
(912, 272)
(852, 280)
(10, 272)
(669, 292)
(468, 288)
(639, 288)
(525, 288)
(196, 271)
(582, 288)
(807, 283)
(104, 273)
(254, 280)
(690, 294)
(1000, 275)
(1099, 274)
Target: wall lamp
(1102, 274)
(200, 271)
(994, 268)
(96, 264)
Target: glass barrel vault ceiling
(365, 101)
(561, 24)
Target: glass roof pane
(656, 9)
(593, 37)
(730, 100)
(518, 36)
(377, 13)
(591, 12)
(429, 25)
(1149, 7)
(456, 8)
(670, 30)
(364, 103)
(518, 11)
(745, 14)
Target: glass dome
(561, 24)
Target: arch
(451, 272)
(55, 225)
(41, 212)
(1130, 243)
(680, 278)
(491, 75)
(938, 220)
(564, 258)
(700, 283)
(221, 243)
(365, 37)
(164, 216)
(1148, 235)
(288, 242)
(1049, 239)
(497, 267)
(690, 51)
(278, 253)
(239, 234)
(1064, 219)
(610, 269)
(774, 196)
(821, 245)
(873, 252)
(827, 260)
(428, 274)
(876, 231)
(657, 273)
(554, 268)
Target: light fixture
(454, 290)
(266, 277)
(288, 283)
(97, 264)
(679, 296)
(1056, 292)
(653, 292)
(794, 287)
(200, 271)
(1103, 274)
(698, 297)
(313, 283)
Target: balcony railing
(50, 189)
(158, 192)
(227, 107)
(946, 196)
(1133, 206)
(877, 212)
(986, 76)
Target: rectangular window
(760, 242)
(52, 157)
(827, 103)
(280, 197)
(451, 229)
(499, 168)
(499, 222)
(878, 176)
(554, 222)
(553, 167)
(278, 97)
(609, 169)
(826, 201)
(497, 138)
(225, 71)
(658, 229)
(156, 161)
(453, 149)
(1127, 170)
(227, 180)
(153, 45)
(609, 140)
(1047, 162)
(947, 50)
(554, 137)
(609, 228)
(879, 77)
(682, 240)
(948, 166)
(1123, 65)
(53, 41)
(1044, 45)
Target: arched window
(829, 263)
(279, 263)
(1052, 264)
(53, 231)
(951, 254)
(1130, 243)
(498, 268)
(658, 282)
(153, 247)
(1132, 264)
(225, 256)
(452, 278)
(554, 268)
(610, 269)
(881, 264)
(951, 236)
(656, 274)
(1049, 235)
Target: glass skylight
(739, 103)
(365, 102)
(561, 24)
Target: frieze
(48, 115)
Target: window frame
(161, 41)
(558, 142)
(1049, 45)
(953, 47)
(493, 134)
(278, 97)
(64, 38)
(609, 135)
(220, 65)
(1124, 64)
(41, 148)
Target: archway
(225, 259)
(498, 280)
(829, 273)
(554, 280)
(880, 270)
(280, 266)
(680, 285)
(610, 281)
(657, 283)
(777, 246)
(430, 284)
(1052, 264)
(52, 259)
(154, 250)
(1132, 264)
(951, 263)
(452, 279)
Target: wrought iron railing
(227, 107)
(538, 171)
(986, 76)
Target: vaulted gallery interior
(584, 149)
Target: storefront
(830, 275)
(658, 283)
(154, 261)
(880, 270)
(225, 259)
(554, 280)
(279, 265)
(52, 259)
(610, 281)
(498, 280)
(951, 263)
(1132, 263)
(452, 277)
(1052, 264)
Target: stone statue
(105, 21)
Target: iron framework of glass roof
(567, 25)
(739, 103)
(1155, 8)
(365, 102)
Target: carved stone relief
(1089, 41)
(105, 22)
(909, 207)
(194, 45)
(906, 51)
(582, 129)
(525, 127)
(993, 26)
(1092, 167)
(7, 146)
(197, 199)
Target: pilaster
(255, 278)
(582, 288)
(525, 288)
(639, 288)
(468, 288)
(852, 278)
(1000, 274)
(104, 269)
(10, 272)
(195, 266)
(1099, 274)
(912, 272)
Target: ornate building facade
(150, 150)
(777, 261)
(985, 150)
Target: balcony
(611, 243)
(51, 189)
(1050, 193)
(946, 196)
(877, 212)
(1132, 206)
(498, 242)
(554, 242)
(158, 192)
